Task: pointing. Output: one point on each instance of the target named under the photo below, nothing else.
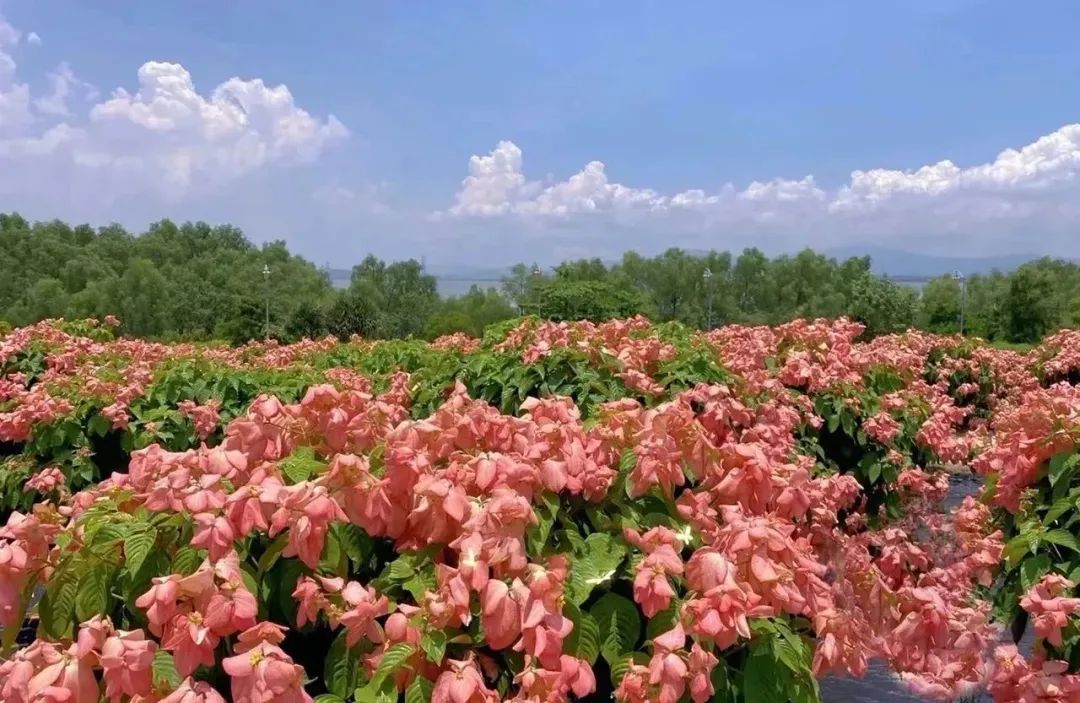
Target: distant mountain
(893, 262)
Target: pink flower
(720, 616)
(191, 642)
(92, 635)
(194, 692)
(667, 668)
(43, 672)
(462, 683)
(652, 590)
(268, 632)
(364, 605)
(501, 614)
(701, 664)
(310, 600)
(232, 609)
(213, 533)
(160, 602)
(708, 569)
(46, 481)
(578, 675)
(1051, 610)
(127, 658)
(265, 674)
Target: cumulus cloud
(1045, 163)
(1034, 186)
(164, 136)
(494, 182)
(496, 185)
(33, 39)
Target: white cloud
(496, 185)
(1046, 162)
(14, 96)
(1030, 188)
(164, 137)
(494, 182)
(33, 38)
(167, 129)
(62, 82)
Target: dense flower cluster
(472, 554)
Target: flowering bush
(558, 511)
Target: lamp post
(707, 275)
(266, 278)
(959, 278)
(536, 277)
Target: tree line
(197, 281)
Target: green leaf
(1058, 509)
(187, 560)
(422, 582)
(93, 596)
(627, 460)
(392, 660)
(1031, 570)
(57, 606)
(419, 691)
(403, 568)
(163, 671)
(354, 541)
(848, 423)
(270, 556)
(1062, 539)
(594, 564)
(301, 465)
(138, 545)
(384, 692)
(584, 640)
(874, 472)
(536, 538)
(1017, 547)
(434, 645)
(761, 678)
(98, 425)
(662, 622)
(341, 671)
(1060, 464)
(619, 623)
(328, 698)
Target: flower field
(554, 512)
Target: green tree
(351, 313)
(561, 299)
(940, 305)
(881, 305)
(1030, 304)
(306, 321)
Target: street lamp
(959, 278)
(266, 278)
(707, 275)
(536, 277)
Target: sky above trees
(487, 133)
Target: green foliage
(619, 625)
(190, 280)
(563, 299)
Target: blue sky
(595, 126)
